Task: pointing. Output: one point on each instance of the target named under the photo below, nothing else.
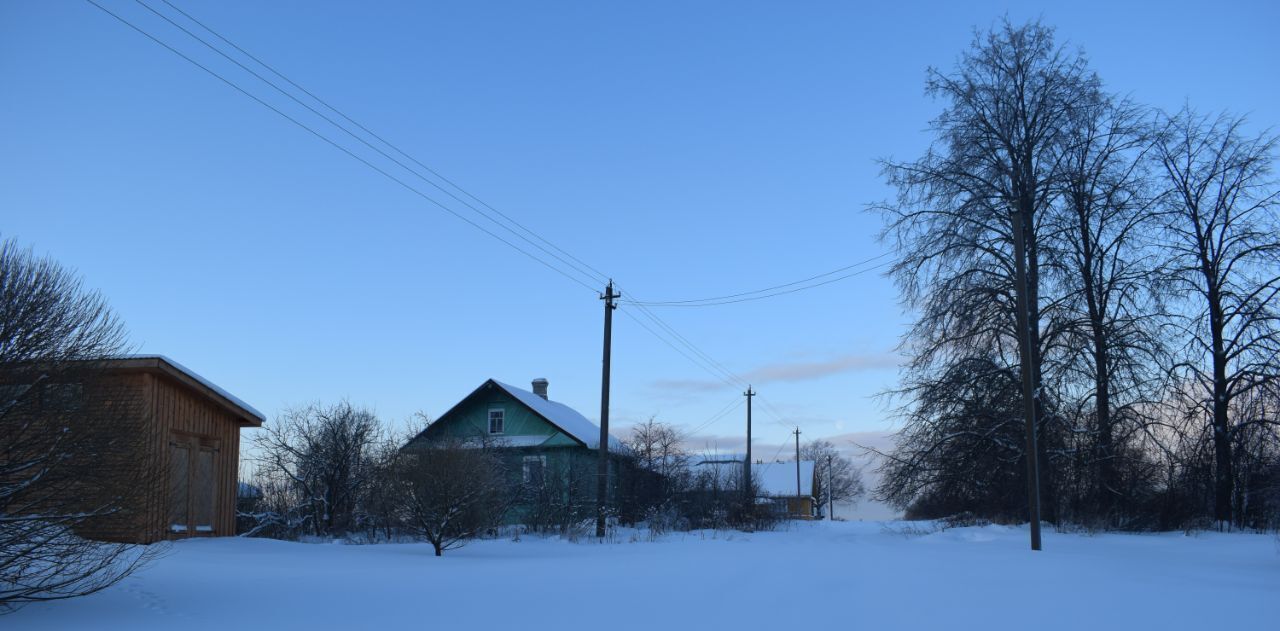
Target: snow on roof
(519, 441)
(779, 478)
(711, 458)
(774, 479)
(562, 416)
(205, 382)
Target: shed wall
(181, 415)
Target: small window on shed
(496, 421)
(63, 397)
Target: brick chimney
(540, 387)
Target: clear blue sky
(686, 149)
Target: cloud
(804, 371)
(790, 371)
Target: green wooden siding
(570, 466)
(471, 418)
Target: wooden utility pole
(1023, 304)
(797, 433)
(602, 463)
(746, 473)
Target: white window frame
(542, 460)
(502, 421)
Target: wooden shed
(186, 432)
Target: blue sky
(686, 151)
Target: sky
(685, 150)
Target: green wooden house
(549, 449)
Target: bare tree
(454, 490)
(316, 462)
(67, 436)
(991, 174)
(1224, 249)
(658, 447)
(1106, 270)
(961, 445)
(838, 480)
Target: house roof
(772, 479)
(248, 415)
(565, 418)
(558, 415)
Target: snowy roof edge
(566, 418)
(204, 382)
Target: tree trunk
(1106, 473)
(1224, 478)
(1044, 473)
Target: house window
(535, 470)
(496, 421)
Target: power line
(357, 137)
(710, 364)
(716, 365)
(668, 303)
(723, 373)
(715, 302)
(697, 362)
(337, 146)
(601, 276)
(733, 405)
(698, 356)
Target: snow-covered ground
(845, 575)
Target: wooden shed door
(202, 485)
(193, 484)
(179, 474)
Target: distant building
(786, 489)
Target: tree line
(1153, 266)
(337, 471)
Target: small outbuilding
(785, 487)
(162, 431)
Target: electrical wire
(402, 165)
(716, 302)
(667, 303)
(336, 145)
(694, 354)
(733, 405)
(599, 275)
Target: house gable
(522, 425)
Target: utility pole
(602, 463)
(1018, 217)
(831, 498)
(797, 433)
(746, 474)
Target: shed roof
(772, 479)
(247, 414)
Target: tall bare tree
(66, 436)
(992, 173)
(1223, 243)
(1104, 264)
